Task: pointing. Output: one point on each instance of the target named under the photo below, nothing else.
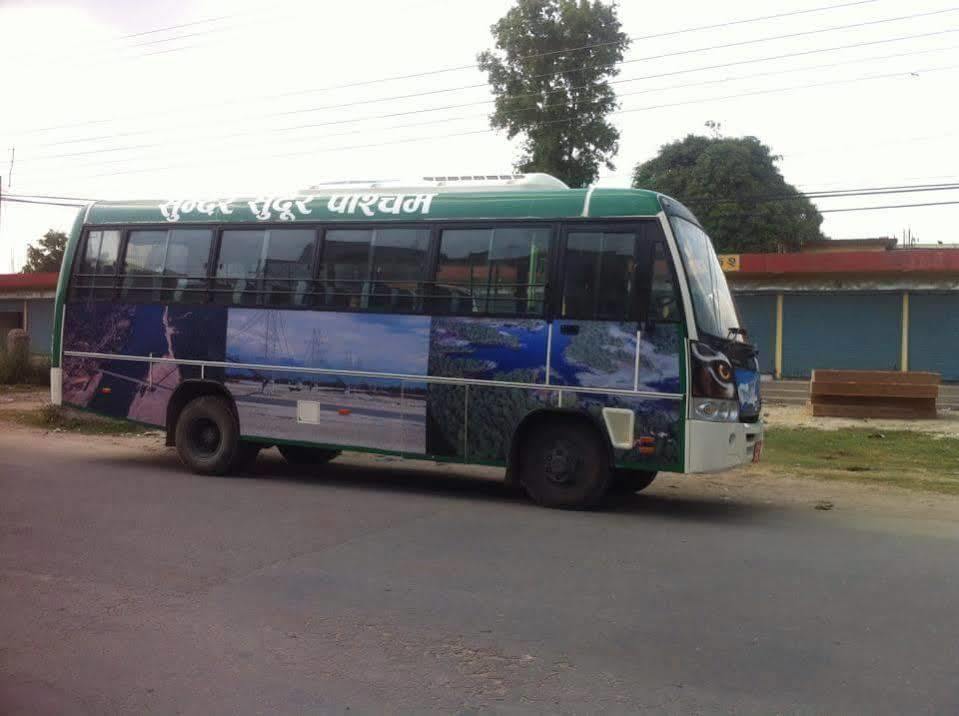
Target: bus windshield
(712, 302)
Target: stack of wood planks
(874, 394)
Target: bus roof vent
(452, 182)
(513, 181)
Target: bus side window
(272, 267)
(167, 266)
(600, 275)
(664, 296)
(96, 271)
(381, 269)
(499, 270)
(398, 268)
(344, 270)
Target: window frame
(649, 230)
(641, 277)
(111, 281)
(261, 281)
(429, 266)
(553, 227)
(121, 273)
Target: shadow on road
(453, 480)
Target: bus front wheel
(628, 482)
(207, 436)
(564, 464)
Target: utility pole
(13, 156)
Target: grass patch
(54, 417)
(913, 460)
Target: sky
(110, 99)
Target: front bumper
(717, 446)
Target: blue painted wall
(851, 331)
(40, 324)
(934, 333)
(758, 315)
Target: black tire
(208, 436)
(302, 455)
(246, 454)
(628, 482)
(564, 464)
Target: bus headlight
(718, 411)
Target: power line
(822, 194)
(821, 211)
(658, 35)
(219, 139)
(39, 201)
(474, 86)
(488, 101)
(888, 206)
(835, 194)
(322, 150)
(57, 198)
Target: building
(26, 301)
(871, 306)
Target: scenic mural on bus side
(129, 389)
(602, 354)
(593, 354)
(394, 414)
(511, 350)
(358, 411)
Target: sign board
(729, 262)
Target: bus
(583, 339)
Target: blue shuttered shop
(841, 330)
(757, 311)
(934, 333)
(40, 324)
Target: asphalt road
(130, 586)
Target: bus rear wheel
(208, 436)
(302, 455)
(564, 464)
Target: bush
(17, 367)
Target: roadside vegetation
(56, 418)
(912, 460)
(18, 368)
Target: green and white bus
(580, 338)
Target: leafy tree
(549, 75)
(736, 190)
(48, 254)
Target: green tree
(736, 190)
(550, 78)
(47, 255)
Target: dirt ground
(800, 416)
(754, 484)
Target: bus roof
(323, 204)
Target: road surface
(130, 586)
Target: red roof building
(867, 306)
(26, 301)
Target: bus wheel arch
(185, 393)
(575, 428)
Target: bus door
(617, 326)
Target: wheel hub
(206, 436)
(560, 465)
